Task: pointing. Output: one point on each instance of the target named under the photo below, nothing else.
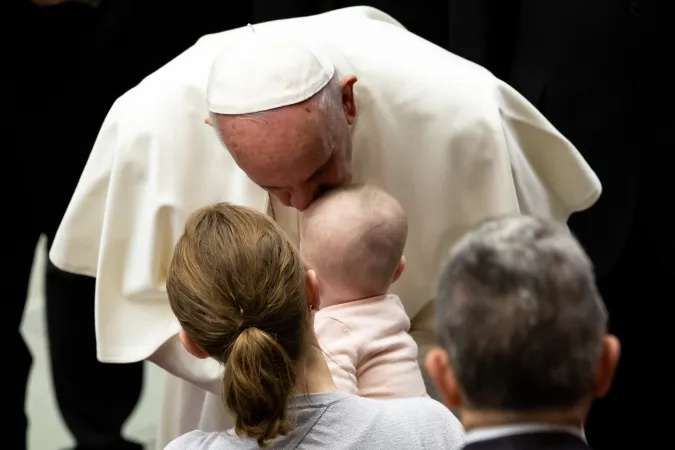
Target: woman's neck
(313, 374)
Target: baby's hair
(354, 236)
(237, 286)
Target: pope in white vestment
(451, 142)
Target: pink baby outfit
(368, 348)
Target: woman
(244, 297)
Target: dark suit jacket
(597, 70)
(533, 441)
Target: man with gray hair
(523, 330)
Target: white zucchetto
(264, 71)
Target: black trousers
(66, 66)
(95, 399)
(45, 151)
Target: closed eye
(319, 171)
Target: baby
(354, 238)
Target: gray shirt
(341, 421)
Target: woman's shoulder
(444, 430)
(200, 440)
(422, 416)
(426, 404)
(423, 407)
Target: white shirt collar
(487, 433)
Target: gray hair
(520, 316)
(330, 97)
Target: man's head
(522, 326)
(353, 238)
(284, 112)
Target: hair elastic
(246, 325)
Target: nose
(301, 199)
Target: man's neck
(473, 419)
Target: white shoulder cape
(451, 142)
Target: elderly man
(303, 105)
(524, 336)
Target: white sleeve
(203, 373)
(550, 176)
(147, 173)
(77, 242)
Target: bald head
(298, 151)
(282, 110)
(273, 143)
(354, 239)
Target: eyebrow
(316, 172)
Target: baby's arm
(389, 365)
(340, 351)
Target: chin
(284, 201)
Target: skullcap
(263, 71)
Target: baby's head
(353, 237)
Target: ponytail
(232, 270)
(258, 385)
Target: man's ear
(439, 369)
(191, 346)
(609, 360)
(312, 290)
(348, 102)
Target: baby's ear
(312, 290)
(399, 269)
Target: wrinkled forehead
(275, 144)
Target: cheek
(283, 196)
(337, 177)
(343, 168)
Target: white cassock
(451, 142)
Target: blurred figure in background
(595, 70)
(67, 62)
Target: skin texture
(296, 152)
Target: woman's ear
(191, 346)
(312, 290)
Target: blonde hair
(354, 236)
(237, 286)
